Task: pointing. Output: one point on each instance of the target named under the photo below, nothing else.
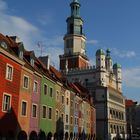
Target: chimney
(46, 61)
(15, 38)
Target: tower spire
(74, 40)
(75, 8)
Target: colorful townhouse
(38, 99)
(10, 73)
(67, 113)
(26, 89)
(47, 101)
(72, 103)
(59, 104)
(76, 106)
(35, 98)
(83, 109)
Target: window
(67, 101)
(75, 121)
(71, 29)
(67, 118)
(34, 110)
(71, 104)
(62, 99)
(57, 115)
(51, 92)
(26, 82)
(24, 108)
(32, 62)
(6, 102)
(44, 109)
(45, 89)
(57, 95)
(35, 87)
(21, 54)
(76, 106)
(62, 117)
(3, 44)
(71, 120)
(50, 113)
(81, 29)
(9, 72)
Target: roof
(116, 66)
(11, 45)
(56, 72)
(8, 40)
(130, 103)
(82, 91)
(108, 53)
(100, 52)
(77, 1)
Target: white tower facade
(108, 61)
(118, 73)
(100, 68)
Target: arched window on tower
(71, 28)
(81, 29)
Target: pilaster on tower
(74, 40)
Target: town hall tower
(74, 41)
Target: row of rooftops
(14, 48)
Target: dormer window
(21, 54)
(3, 44)
(32, 62)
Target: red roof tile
(130, 102)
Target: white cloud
(123, 53)
(28, 33)
(93, 42)
(14, 25)
(131, 77)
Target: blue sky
(113, 24)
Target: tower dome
(108, 53)
(116, 66)
(100, 52)
(77, 1)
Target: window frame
(34, 86)
(51, 113)
(67, 101)
(7, 78)
(42, 112)
(33, 104)
(71, 120)
(44, 88)
(26, 108)
(50, 91)
(56, 119)
(67, 118)
(25, 76)
(62, 99)
(57, 95)
(6, 94)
